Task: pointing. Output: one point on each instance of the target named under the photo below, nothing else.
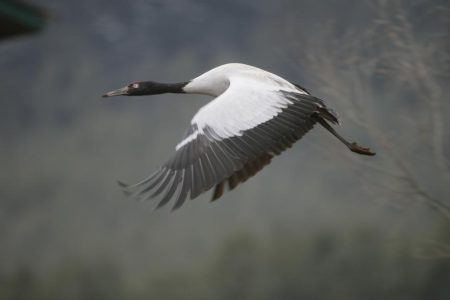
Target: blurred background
(318, 223)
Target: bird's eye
(135, 85)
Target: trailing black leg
(354, 147)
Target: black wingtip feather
(122, 184)
(218, 191)
(124, 188)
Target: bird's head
(147, 88)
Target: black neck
(154, 88)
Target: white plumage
(255, 115)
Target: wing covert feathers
(204, 159)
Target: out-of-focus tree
(319, 265)
(390, 78)
(282, 264)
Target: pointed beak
(120, 92)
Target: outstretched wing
(231, 138)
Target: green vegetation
(284, 265)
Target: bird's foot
(354, 147)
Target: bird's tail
(329, 114)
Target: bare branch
(345, 69)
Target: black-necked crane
(254, 116)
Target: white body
(246, 96)
(255, 116)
